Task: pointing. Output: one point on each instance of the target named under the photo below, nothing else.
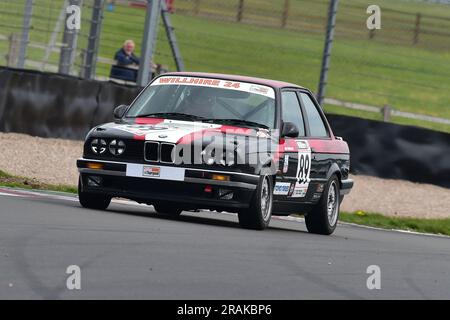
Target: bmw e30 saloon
(194, 141)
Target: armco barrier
(51, 105)
(393, 151)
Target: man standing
(125, 57)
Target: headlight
(98, 146)
(117, 147)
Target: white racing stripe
(175, 130)
(10, 194)
(170, 131)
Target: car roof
(267, 82)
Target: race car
(194, 141)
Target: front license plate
(155, 172)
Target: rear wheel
(92, 200)
(258, 215)
(322, 219)
(167, 208)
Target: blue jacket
(124, 60)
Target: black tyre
(323, 218)
(167, 208)
(258, 215)
(92, 200)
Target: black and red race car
(194, 141)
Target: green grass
(436, 226)
(386, 70)
(7, 180)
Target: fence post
(11, 56)
(82, 71)
(417, 28)
(196, 7)
(171, 37)
(90, 58)
(386, 111)
(332, 12)
(240, 11)
(25, 33)
(285, 15)
(149, 41)
(371, 34)
(69, 43)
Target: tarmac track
(130, 252)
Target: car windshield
(210, 100)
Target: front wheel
(258, 215)
(92, 200)
(322, 219)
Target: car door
(318, 138)
(295, 162)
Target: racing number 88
(303, 172)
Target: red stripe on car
(328, 146)
(139, 137)
(148, 120)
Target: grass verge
(435, 226)
(7, 180)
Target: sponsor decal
(291, 189)
(299, 190)
(302, 144)
(216, 83)
(259, 89)
(281, 188)
(286, 163)
(149, 171)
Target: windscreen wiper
(171, 115)
(238, 122)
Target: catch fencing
(405, 65)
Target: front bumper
(346, 186)
(192, 188)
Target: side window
(291, 111)
(316, 124)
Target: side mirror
(289, 130)
(120, 111)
